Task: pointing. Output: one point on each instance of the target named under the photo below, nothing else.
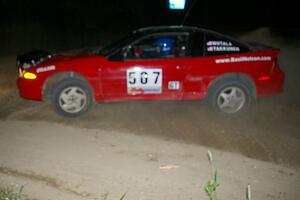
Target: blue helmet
(165, 44)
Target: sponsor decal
(45, 69)
(243, 59)
(144, 81)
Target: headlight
(29, 75)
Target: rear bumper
(273, 85)
(29, 89)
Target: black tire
(229, 96)
(71, 98)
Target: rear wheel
(71, 98)
(230, 97)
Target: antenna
(188, 12)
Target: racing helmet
(165, 44)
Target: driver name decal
(221, 46)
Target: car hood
(69, 58)
(32, 58)
(58, 58)
(41, 57)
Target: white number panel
(144, 81)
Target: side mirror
(127, 51)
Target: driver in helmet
(164, 47)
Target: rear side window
(216, 44)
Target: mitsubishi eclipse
(156, 63)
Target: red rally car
(157, 63)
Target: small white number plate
(144, 81)
(173, 85)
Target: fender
(57, 77)
(244, 78)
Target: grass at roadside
(12, 193)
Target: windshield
(110, 48)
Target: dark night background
(60, 25)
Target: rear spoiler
(255, 46)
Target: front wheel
(71, 98)
(230, 97)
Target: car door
(199, 68)
(154, 67)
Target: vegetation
(212, 184)
(12, 193)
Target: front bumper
(29, 89)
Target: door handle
(180, 67)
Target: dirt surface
(270, 131)
(59, 162)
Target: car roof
(158, 29)
(175, 28)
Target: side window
(197, 44)
(219, 45)
(158, 46)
